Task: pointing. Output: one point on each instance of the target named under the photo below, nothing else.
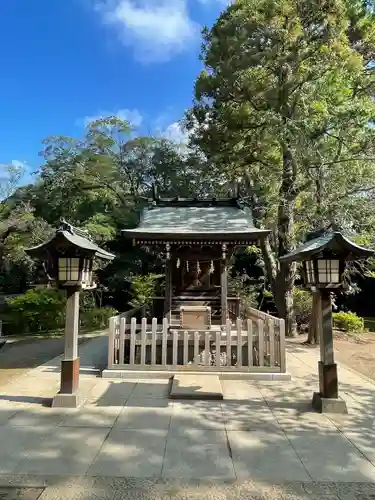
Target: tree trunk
(285, 226)
(313, 335)
(281, 280)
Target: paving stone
(136, 453)
(197, 453)
(328, 455)
(91, 417)
(196, 415)
(65, 451)
(262, 455)
(202, 387)
(46, 417)
(16, 443)
(153, 388)
(147, 414)
(109, 393)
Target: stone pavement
(130, 441)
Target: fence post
(229, 344)
(271, 334)
(153, 340)
(282, 346)
(111, 341)
(164, 343)
(250, 361)
(133, 327)
(239, 342)
(143, 341)
(122, 341)
(261, 341)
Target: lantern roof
(75, 237)
(188, 218)
(327, 242)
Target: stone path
(130, 441)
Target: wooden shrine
(198, 237)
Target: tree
(278, 106)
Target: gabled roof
(333, 241)
(196, 219)
(76, 237)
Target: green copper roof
(199, 219)
(333, 241)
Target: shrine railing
(253, 345)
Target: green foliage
(348, 322)
(97, 317)
(38, 310)
(143, 289)
(302, 305)
(43, 310)
(285, 104)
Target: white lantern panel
(63, 269)
(69, 269)
(329, 270)
(87, 272)
(310, 272)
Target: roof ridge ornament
(66, 226)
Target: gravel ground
(105, 488)
(16, 358)
(355, 351)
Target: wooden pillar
(70, 363)
(328, 382)
(168, 290)
(224, 291)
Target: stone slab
(328, 405)
(198, 453)
(186, 386)
(132, 453)
(65, 451)
(135, 373)
(262, 454)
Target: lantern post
(68, 259)
(324, 258)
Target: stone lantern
(68, 258)
(324, 258)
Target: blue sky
(64, 61)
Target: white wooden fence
(256, 345)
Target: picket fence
(256, 344)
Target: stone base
(69, 376)
(132, 374)
(62, 400)
(328, 384)
(328, 405)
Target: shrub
(37, 310)
(97, 317)
(143, 289)
(302, 300)
(348, 322)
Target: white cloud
(21, 165)
(133, 116)
(156, 29)
(220, 2)
(176, 133)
